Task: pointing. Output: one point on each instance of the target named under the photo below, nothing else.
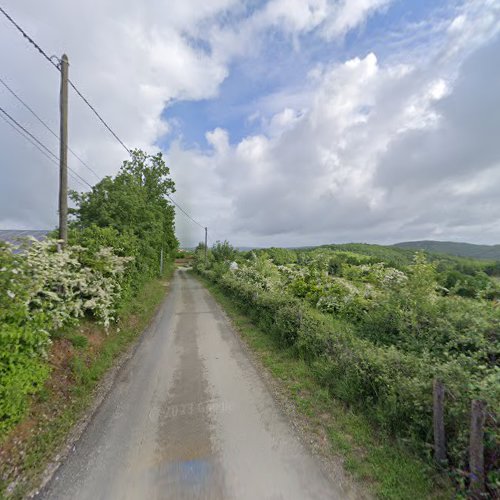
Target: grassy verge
(79, 359)
(383, 466)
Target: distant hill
(485, 252)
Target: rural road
(189, 417)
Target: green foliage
(64, 410)
(376, 336)
(115, 239)
(79, 341)
(282, 256)
(133, 210)
(383, 466)
(23, 341)
(223, 252)
(41, 290)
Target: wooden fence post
(438, 421)
(476, 448)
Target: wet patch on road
(186, 464)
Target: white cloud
(130, 59)
(372, 155)
(346, 15)
(373, 148)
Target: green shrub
(22, 369)
(116, 237)
(133, 212)
(391, 386)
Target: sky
(284, 122)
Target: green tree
(223, 251)
(135, 207)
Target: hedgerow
(116, 235)
(41, 291)
(377, 337)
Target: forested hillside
(488, 252)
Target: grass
(383, 466)
(85, 353)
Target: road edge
(330, 464)
(102, 389)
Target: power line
(33, 143)
(99, 116)
(49, 59)
(28, 133)
(45, 148)
(30, 40)
(28, 138)
(85, 100)
(184, 212)
(46, 126)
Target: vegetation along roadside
(66, 314)
(383, 468)
(373, 328)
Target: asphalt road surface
(189, 417)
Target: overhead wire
(46, 126)
(184, 212)
(99, 116)
(28, 138)
(30, 40)
(85, 100)
(40, 143)
(50, 60)
(33, 143)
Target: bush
(41, 290)
(118, 231)
(391, 386)
(133, 214)
(23, 340)
(22, 369)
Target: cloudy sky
(284, 122)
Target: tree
(223, 252)
(134, 204)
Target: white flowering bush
(42, 289)
(392, 332)
(249, 274)
(289, 273)
(65, 289)
(393, 279)
(337, 294)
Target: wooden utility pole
(63, 152)
(206, 245)
(161, 261)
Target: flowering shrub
(393, 279)
(23, 340)
(64, 289)
(337, 295)
(376, 337)
(118, 231)
(261, 278)
(43, 289)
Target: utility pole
(206, 247)
(161, 261)
(63, 153)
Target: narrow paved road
(189, 417)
